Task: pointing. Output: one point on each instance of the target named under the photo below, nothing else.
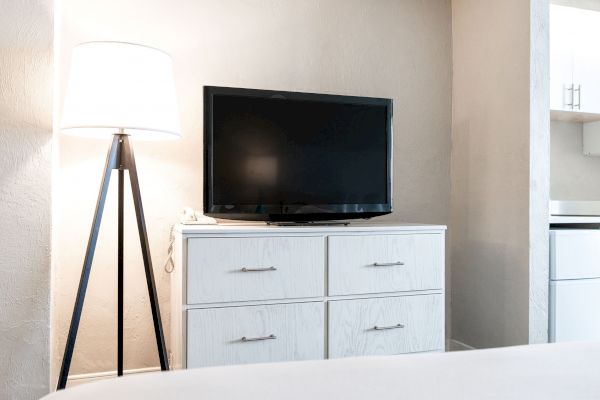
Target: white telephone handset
(190, 217)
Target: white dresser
(257, 293)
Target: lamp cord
(169, 264)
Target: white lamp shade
(115, 85)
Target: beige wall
(26, 32)
(499, 182)
(397, 49)
(574, 176)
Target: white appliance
(574, 271)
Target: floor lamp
(124, 90)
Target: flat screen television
(301, 157)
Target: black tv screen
(287, 156)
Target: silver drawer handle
(258, 269)
(256, 339)
(385, 328)
(390, 264)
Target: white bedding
(554, 371)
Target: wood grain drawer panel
(214, 335)
(574, 254)
(215, 268)
(352, 269)
(352, 325)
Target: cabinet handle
(578, 90)
(385, 328)
(570, 89)
(256, 339)
(389, 264)
(258, 269)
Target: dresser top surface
(261, 227)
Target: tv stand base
(309, 223)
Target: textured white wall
(397, 49)
(499, 152)
(26, 32)
(574, 176)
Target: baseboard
(451, 345)
(79, 379)
(455, 345)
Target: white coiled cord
(169, 263)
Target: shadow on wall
(491, 304)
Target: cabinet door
(562, 35)
(574, 254)
(586, 61)
(574, 313)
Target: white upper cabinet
(586, 62)
(561, 57)
(574, 59)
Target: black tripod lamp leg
(139, 213)
(120, 273)
(111, 160)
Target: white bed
(554, 371)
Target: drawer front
(574, 313)
(385, 263)
(574, 254)
(214, 336)
(404, 325)
(264, 268)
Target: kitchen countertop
(585, 214)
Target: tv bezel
(294, 213)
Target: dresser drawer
(404, 324)
(385, 263)
(215, 335)
(263, 268)
(574, 254)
